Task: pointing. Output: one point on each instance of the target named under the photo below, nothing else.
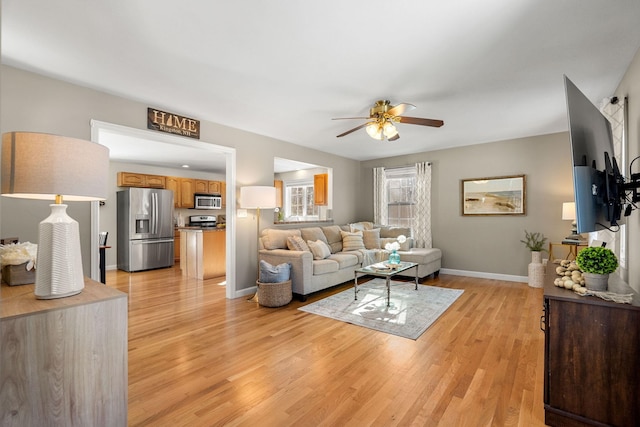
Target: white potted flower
(394, 257)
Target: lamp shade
(569, 211)
(50, 167)
(258, 197)
(42, 166)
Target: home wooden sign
(172, 123)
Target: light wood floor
(198, 359)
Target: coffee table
(388, 273)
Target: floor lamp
(257, 197)
(50, 167)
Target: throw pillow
(313, 233)
(319, 249)
(361, 226)
(371, 238)
(274, 273)
(352, 241)
(334, 238)
(296, 243)
(277, 239)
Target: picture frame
(499, 195)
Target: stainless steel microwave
(207, 201)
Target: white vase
(596, 282)
(536, 270)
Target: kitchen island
(203, 252)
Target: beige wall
(630, 87)
(490, 244)
(30, 102)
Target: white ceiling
(491, 69)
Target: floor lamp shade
(50, 167)
(258, 197)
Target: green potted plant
(596, 263)
(535, 242)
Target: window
(299, 200)
(401, 183)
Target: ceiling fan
(383, 115)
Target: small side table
(573, 249)
(103, 256)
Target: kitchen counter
(202, 252)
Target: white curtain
(379, 196)
(615, 112)
(422, 219)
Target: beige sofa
(312, 271)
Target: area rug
(410, 312)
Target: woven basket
(274, 294)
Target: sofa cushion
(392, 231)
(334, 238)
(360, 226)
(352, 241)
(313, 234)
(345, 259)
(277, 239)
(371, 238)
(274, 273)
(324, 266)
(319, 249)
(421, 255)
(296, 243)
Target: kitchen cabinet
(321, 189)
(591, 357)
(131, 179)
(187, 189)
(214, 187)
(223, 193)
(203, 253)
(183, 188)
(173, 184)
(176, 247)
(201, 186)
(63, 361)
(279, 198)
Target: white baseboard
(483, 275)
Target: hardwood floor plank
(196, 358)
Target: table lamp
(50, 167)
(569, 214)
(258, 197)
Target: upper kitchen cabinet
(279, 199)
(223, 193)
(187, 190)
(173, 184)
(201, 186)
(130, 179)
(320, 189)
(213, 187)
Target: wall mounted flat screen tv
(595, 170)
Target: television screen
(595, 171)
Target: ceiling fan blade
(420, 121)
(400, 109)
(393, 138)
(350, 118)
(352, 130)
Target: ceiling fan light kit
(382, 117)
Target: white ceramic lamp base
(59, 261)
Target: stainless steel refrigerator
(145, 229)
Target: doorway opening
(154, 148)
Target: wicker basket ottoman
(274, 294)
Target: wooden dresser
(63, 362)
(592, 357)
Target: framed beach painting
(502, 195)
